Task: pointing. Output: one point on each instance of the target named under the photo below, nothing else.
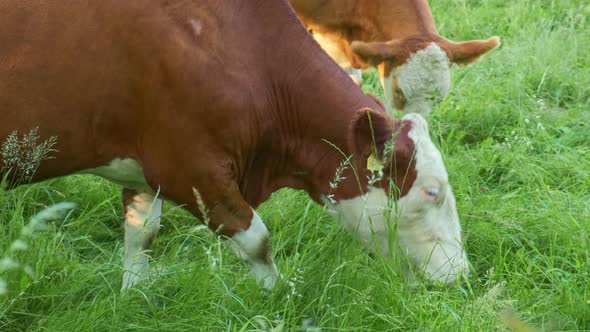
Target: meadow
(515, 135)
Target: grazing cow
(127, 89)
(398, 37)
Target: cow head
(415, 72)
(420, 207)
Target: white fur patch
(249, 244)
(387, 83)
(197, 26)
(428, 228)
(424, 79)
(142, 218)
(365, 217)
(429, 161)
(125, 172)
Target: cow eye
(432, 193)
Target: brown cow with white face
(398, 37)
(127, 89)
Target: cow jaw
(367, 218)
(428, 232)
(420, 83)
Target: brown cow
(127, 89)
(398, 37)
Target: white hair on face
(387, 83)
(429, 229)
(428, 226)
(429, 161)
(425, 77)
(365, 218)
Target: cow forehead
(426, 72)
(427, 157)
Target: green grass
(515, 135)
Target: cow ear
(368, 133)
(467, 52)
(374, 53)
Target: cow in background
(398, 37)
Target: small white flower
(214, 259)
(199, 228)
(19, 245)
(8, 263)
(3, 287)
(29, 271)
(307, 326)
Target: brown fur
(132, 79)
(384, 30)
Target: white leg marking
(253, 247)
(142, 222)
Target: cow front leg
(252, 246)
(142, 213)
(246, 236)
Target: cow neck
(412, 18)
(379, 21)
(308, 110)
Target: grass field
(515, 133)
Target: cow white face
(420, 83)
(428, 229)
(423, 78)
